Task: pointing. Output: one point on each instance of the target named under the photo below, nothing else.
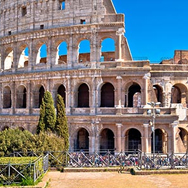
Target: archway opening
(107, 95)
(6, 97)
(160, 141)
(134, 95)
(42, 55)
(84, 51)
(82, 142)
(61, 57)
(61, 91)
(158, 93)
(21, 97)
(8, 63)
(107, 50)
(176, 94)
(38, 96)
(83, 96)
(133, 140)
(182, 140)
(107, 140)
(23, 60)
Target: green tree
(61, 126)
(50, 116)
(41, 124)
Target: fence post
(66, 159)
(9, 172)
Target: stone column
(118, 102)
(145, 147)
(183, 99)
(118, 137)
(123, 143)
(164, 99)
(70, 52)
(14, 66)
(174, 125)
(28, 105)
(145, 91)
(31, 59)
(49, 51)
(13, 97)
(120, 34)
(149, 144)
(68, 96)
(93, 97)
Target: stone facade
(106, 100)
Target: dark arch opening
(107, 140)
(82, 140)
(176, 95)
(158, 141)
(183, 134)
(61, 91)
(135, 88)
(83, 96)
(134, 139)
(7, 97)
(21, 97)
(5, 128)
(41, 95)
(107, 95)
(158, 93)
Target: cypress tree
(50, 116)
(41, 124)
(61, 122)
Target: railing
(16, 173)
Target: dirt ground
(114, 180)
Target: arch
(23, 60)
(42, 54)
(62, 91)
(84, 51)
(178, 94)
(107, 139)
(21, 97)
(38, 96)
(107, 95)
(182, 140)
(107, 50)
(160, 141)
(82, 140)
(5, 128)
(61, 57)
(158, 93)
(7, 97)
(133, 140)
(83, 96)
(8, 63)
(21, 128)
(134, 95)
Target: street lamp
(153, 112)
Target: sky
(154, 29)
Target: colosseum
(112, 102)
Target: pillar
(68, 96)
(13, 97)
(174, 125)
(118, 137)
(70, 52)
(118, 102)
(145, 144)
(28, 105)
(120, 34)
(93, 97)
(145, 90)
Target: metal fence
(16, 173)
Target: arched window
(23, 60)
(107, 95)
(21, 97)
(134, 95)
(38, 96)
(42, 55)
(61, 91)
(83, 96)
(82, 142)
(8, 63)
(107, 140)
(133, 140)
(176, 95)
(158, 93)
(6, 97)
(84, 51)
(61, 57)
(159, 141)
(108, 50)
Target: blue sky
(155, 29)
